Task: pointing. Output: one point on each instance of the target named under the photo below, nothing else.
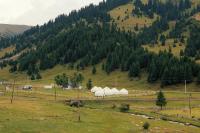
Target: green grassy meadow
(37, 111)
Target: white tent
(94, 89)
(99, 93)
(107, 91)
(115, 91)
(123, 92)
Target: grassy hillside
(116, 79)
(123, 17)
(10, 30)
(6, 50)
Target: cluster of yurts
(101, 92)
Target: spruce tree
(38, 76)
(198, 78)
(134, 70)
(165, 77)
(94, 70)
(161, 100)
(32, 77)
(153, 72)
(89, 84)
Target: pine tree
(161, 101)
(94, 70)
(134, 70)
(165, 77)
(153, 72)
(198, 78)
(32, 77)
(162, 39)
(103, 66)
(89, 84)
(38, 76)
(181, 52)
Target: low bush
(124, 107)
(146, 126)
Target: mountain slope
(90, 36)
(10, 30)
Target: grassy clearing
(6, 50)
(123, 17)
(197, 16)
(169, 44)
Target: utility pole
(13, 89)
(190, 104)
(5, 85)
(55, 93)
(78, 97)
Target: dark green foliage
(151, 34)
(103, 66)
(153, 72)
(161, 101)
(134, 70)
(193, 46)
(13, 65)
(89, 84)
(181, 53)
(76, 80)
(62, 80)
(146, 126)
(168, 9)
(79, 39)
(32, 77)
(38, 76)
(124, 107)
(136, 28)
(198, 78)
(94, 70)
(162, 39)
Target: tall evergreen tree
(134, 70)
(89, 84)
(94, 70)
(161, 101)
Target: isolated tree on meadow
(161, 100)
(89, 84)
(94, 70)
(76, 80)
(62, 80)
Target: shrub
(146, 126)
(124, 107)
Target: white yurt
(107, 91)
(99, 93)
(123, 92)
(115, 91)
(95, 88)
